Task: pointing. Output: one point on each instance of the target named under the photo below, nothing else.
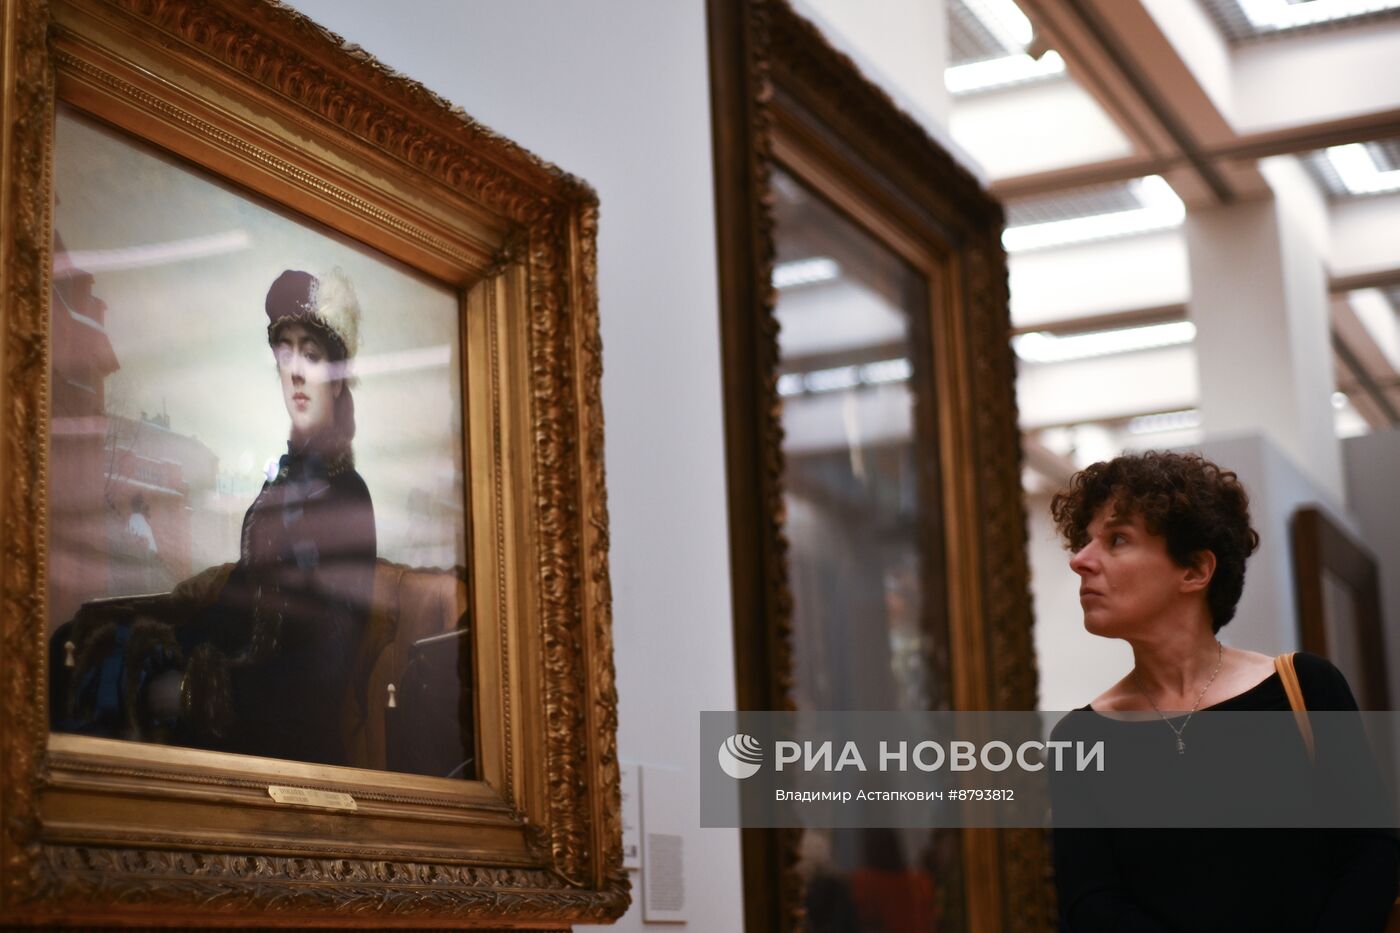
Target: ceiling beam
(1097, 68)
(1116, 50)
(1246, 148)
(1118, 53)
(1379, 278)
(1113, 320)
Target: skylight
(1251, 20)
(989, 39)
(1159, 209)
(1274, 15)
(1003, 19)
(1358, 170)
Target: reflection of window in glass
(848, 382)
(867, 633)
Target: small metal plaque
(306, 797)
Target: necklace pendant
(1180, 745)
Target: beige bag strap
(1289, 675)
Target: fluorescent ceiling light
(1358, 171)
(1161, 210)
(1183, 420)
(1002, 72)
(805, 272)
(836, 379)
(1280, 14)
(1042, 347)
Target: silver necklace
(1180, 739)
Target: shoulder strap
(1289, 675)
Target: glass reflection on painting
(256, 499)
(867, 632)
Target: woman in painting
(1159, 542)
(264, 667)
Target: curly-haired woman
(1159, 542)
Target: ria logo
(740, 756)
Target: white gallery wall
(617, 92)
(1073, 666)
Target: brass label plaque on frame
(307, 797)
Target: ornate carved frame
(783, 97)
(95, 831)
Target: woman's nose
(1081, 561)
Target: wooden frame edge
(1320, 546)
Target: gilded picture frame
(102, 830)
(784, 100)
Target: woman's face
(309, 388)
(1127, 580)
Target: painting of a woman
(266, 666)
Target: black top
(267, 667)
(271, 661)
(1277, 880)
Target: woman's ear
(336, 387)
(1199, 572)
